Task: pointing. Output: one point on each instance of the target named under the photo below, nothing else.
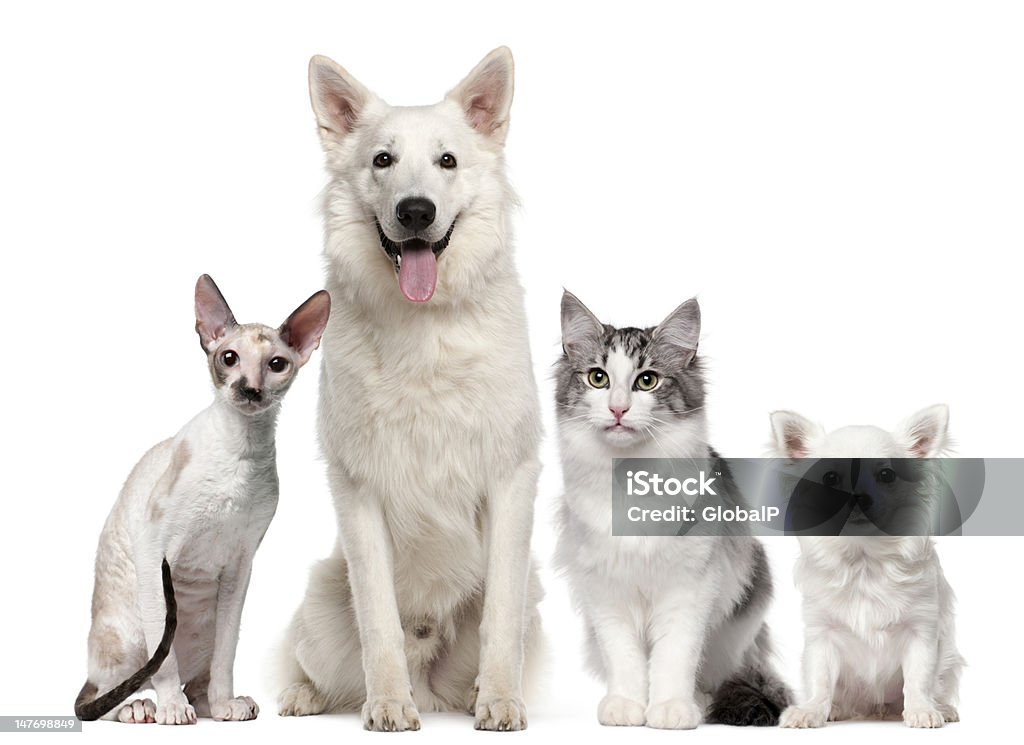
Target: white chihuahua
(878, 611)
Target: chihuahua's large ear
(304, 327)
(924, 434)
(581, 331)
(338, 99)
(793, 434)
(680, 331)
(213, 316)
(485, 95)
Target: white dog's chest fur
(425, 411)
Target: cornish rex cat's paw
(923, 717)
(619, 711)
(390, 715)
(140, 711)
(179, 711)
(676, 713)
(238, 709)
(799, 717)
(500, 714)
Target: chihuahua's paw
(390, 715)
(676, 713)
(924, 717)
(176, 712)
(800, 717)
(140, 711)
(238, 709)
(619, 711)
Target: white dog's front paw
(619, 711)
(140, 711)
(949, 713)
(800, 717)
(676, 713)
(238, 709)
(500, 714)
(179, 711)
(923, 717)
(390, 715)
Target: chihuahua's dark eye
(831, 478)
(278, 364)
(447, 161)
(229, 358)
(382, 160)
(887, 475)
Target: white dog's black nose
(416, 213)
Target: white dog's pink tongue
(417, 275)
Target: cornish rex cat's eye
(193, 511)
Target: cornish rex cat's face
(630, 385)
(253, 365)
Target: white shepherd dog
(429, 416)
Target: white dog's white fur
(878, 611)
(429, 421)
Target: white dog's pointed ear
(793, 434)
(581, 331)
(303, 328)
(213, 316)
(485, 95)
(681, 330)
(924, 434)
(338, 98)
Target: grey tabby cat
(675, 625)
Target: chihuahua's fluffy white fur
(878, 611)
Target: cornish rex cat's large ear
(581, 331)
(680, 331)
(338, 99)
(485, 95)
(213, 316)
(304, 327)
(924, 434)
(794, 434)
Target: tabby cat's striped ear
(681, 331)
(582, 333)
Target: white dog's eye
(447, 161)
(887, 475)
(382, 160)
(831, 478)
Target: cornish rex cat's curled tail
(88, 708)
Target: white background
(840, 184)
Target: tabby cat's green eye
(646, 381)
(598, 378)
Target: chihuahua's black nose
(416, 213)
(864, 501)
(251, 394)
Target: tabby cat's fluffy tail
(751, 698)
